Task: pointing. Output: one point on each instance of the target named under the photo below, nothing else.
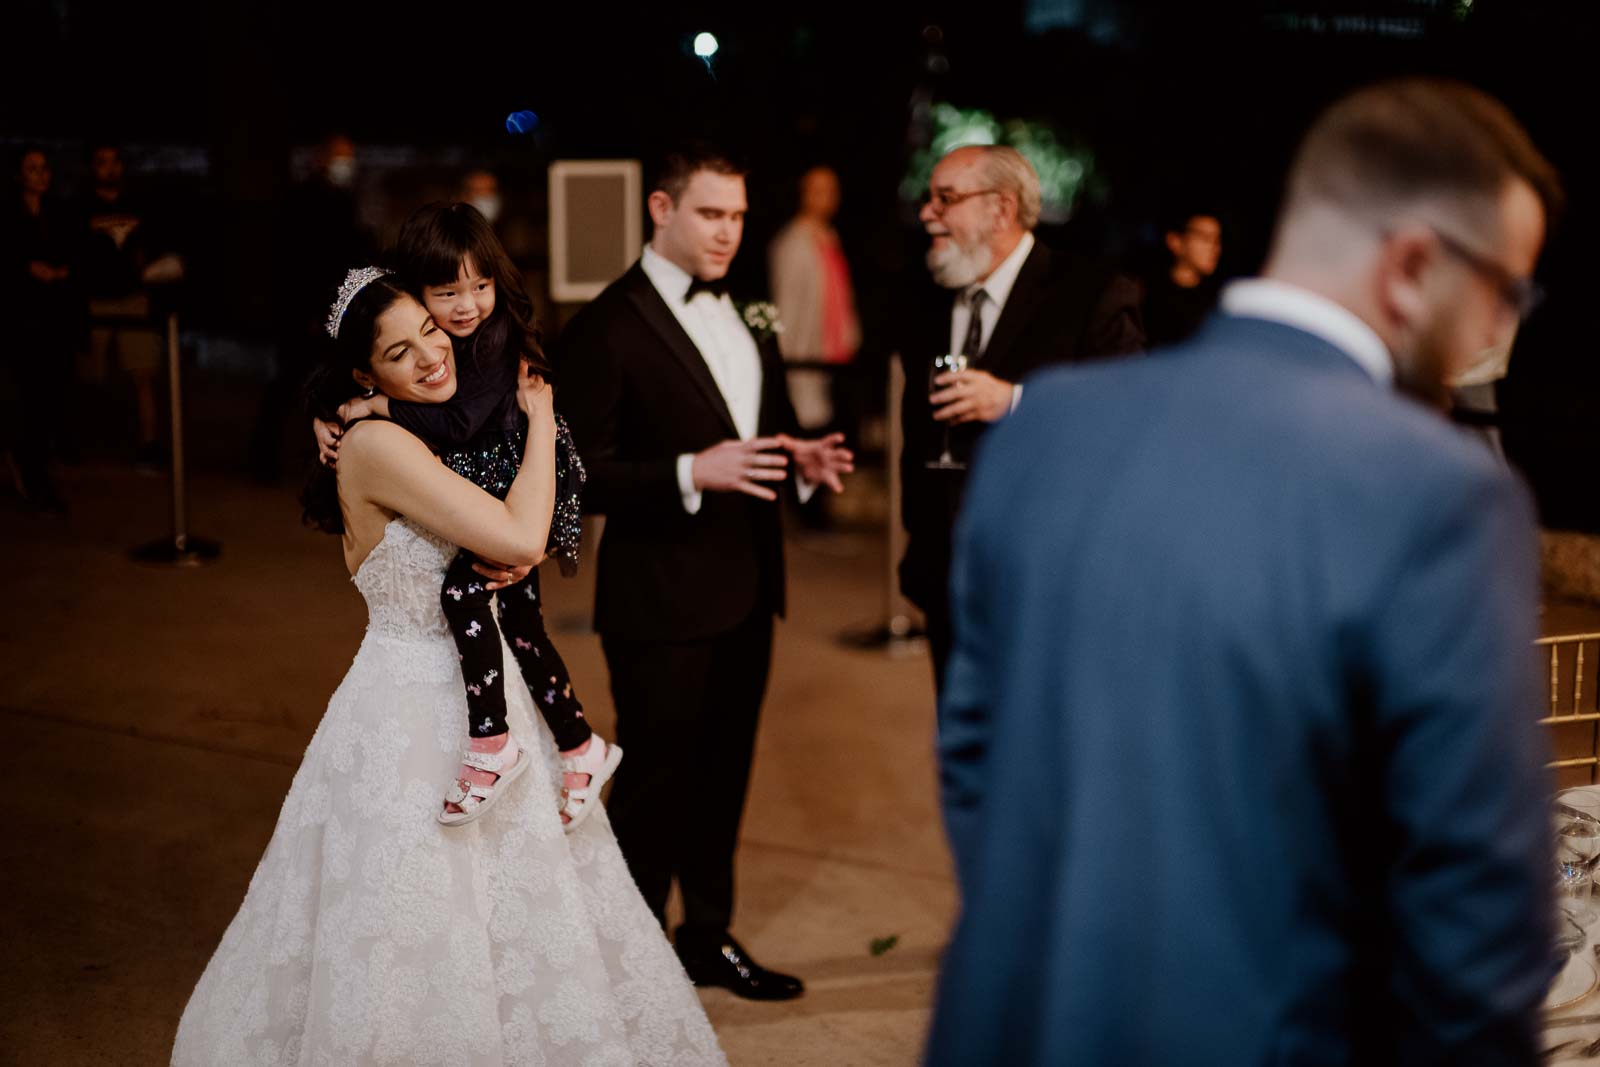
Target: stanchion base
(191, 552)
(908, 642)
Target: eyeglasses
(1522, 295)
(943, 201)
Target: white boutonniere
(762, 318)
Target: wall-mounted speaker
(596, 225)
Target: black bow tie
(718, 288)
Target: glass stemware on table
(1576, 815)
(1575, 819)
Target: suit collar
(1308, 312)
(1027, 293)
(647, 299)
(1224, 331)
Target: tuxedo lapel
(777, 413)
(1027, 293)
(644, 297)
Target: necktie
(717, 288)
(972, 347)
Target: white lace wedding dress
(371, 934)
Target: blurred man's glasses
(1522, 295)
(943, 201)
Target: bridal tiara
(355, 281)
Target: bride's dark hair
(332, 382)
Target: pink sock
(489, 744)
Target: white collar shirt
(997, 286)
(1290, 305)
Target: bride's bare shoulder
(378, 440)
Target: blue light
(705, 45)
(522, 122)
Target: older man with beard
(1011, 306)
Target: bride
(370, 933)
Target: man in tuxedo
(681, 415)
(1034, 307)
(1240, 750)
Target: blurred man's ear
(1405, 257)
(661, 207)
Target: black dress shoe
(724, 962)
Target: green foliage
(1063, 167)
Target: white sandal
(473, 799)
(599, 761)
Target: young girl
(462, 275)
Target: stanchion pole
(179, 549)
(897, 610)
(898, 633)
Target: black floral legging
(472, 624)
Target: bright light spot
(705, 45)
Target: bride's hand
(534, 395)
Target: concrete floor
(157, 715)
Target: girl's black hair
(434, 242)
(332, 382)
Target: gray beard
(956, 267)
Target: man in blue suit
(1239, 755)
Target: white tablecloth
(1589, 1005)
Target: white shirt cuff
(806, 490)
(691, 495)
(1016, 397)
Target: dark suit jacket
(637, 394)
(1062, 309)
(1240, 756)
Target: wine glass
(942, 364)
(1577, 827)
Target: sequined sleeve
(566, 525)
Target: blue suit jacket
(1238, 745)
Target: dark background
(1181, 103)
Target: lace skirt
(371, 934)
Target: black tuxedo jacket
(637, 394)
(1063, 308)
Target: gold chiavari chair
(1572, 711)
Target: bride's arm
(387, 466)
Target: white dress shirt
(998, 286)
(729, 351)
(1290, 305)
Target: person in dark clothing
(120, 247)
(1012, 306)
(1178, 299)
(320, 234)
(42, 303)
(480, 434)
